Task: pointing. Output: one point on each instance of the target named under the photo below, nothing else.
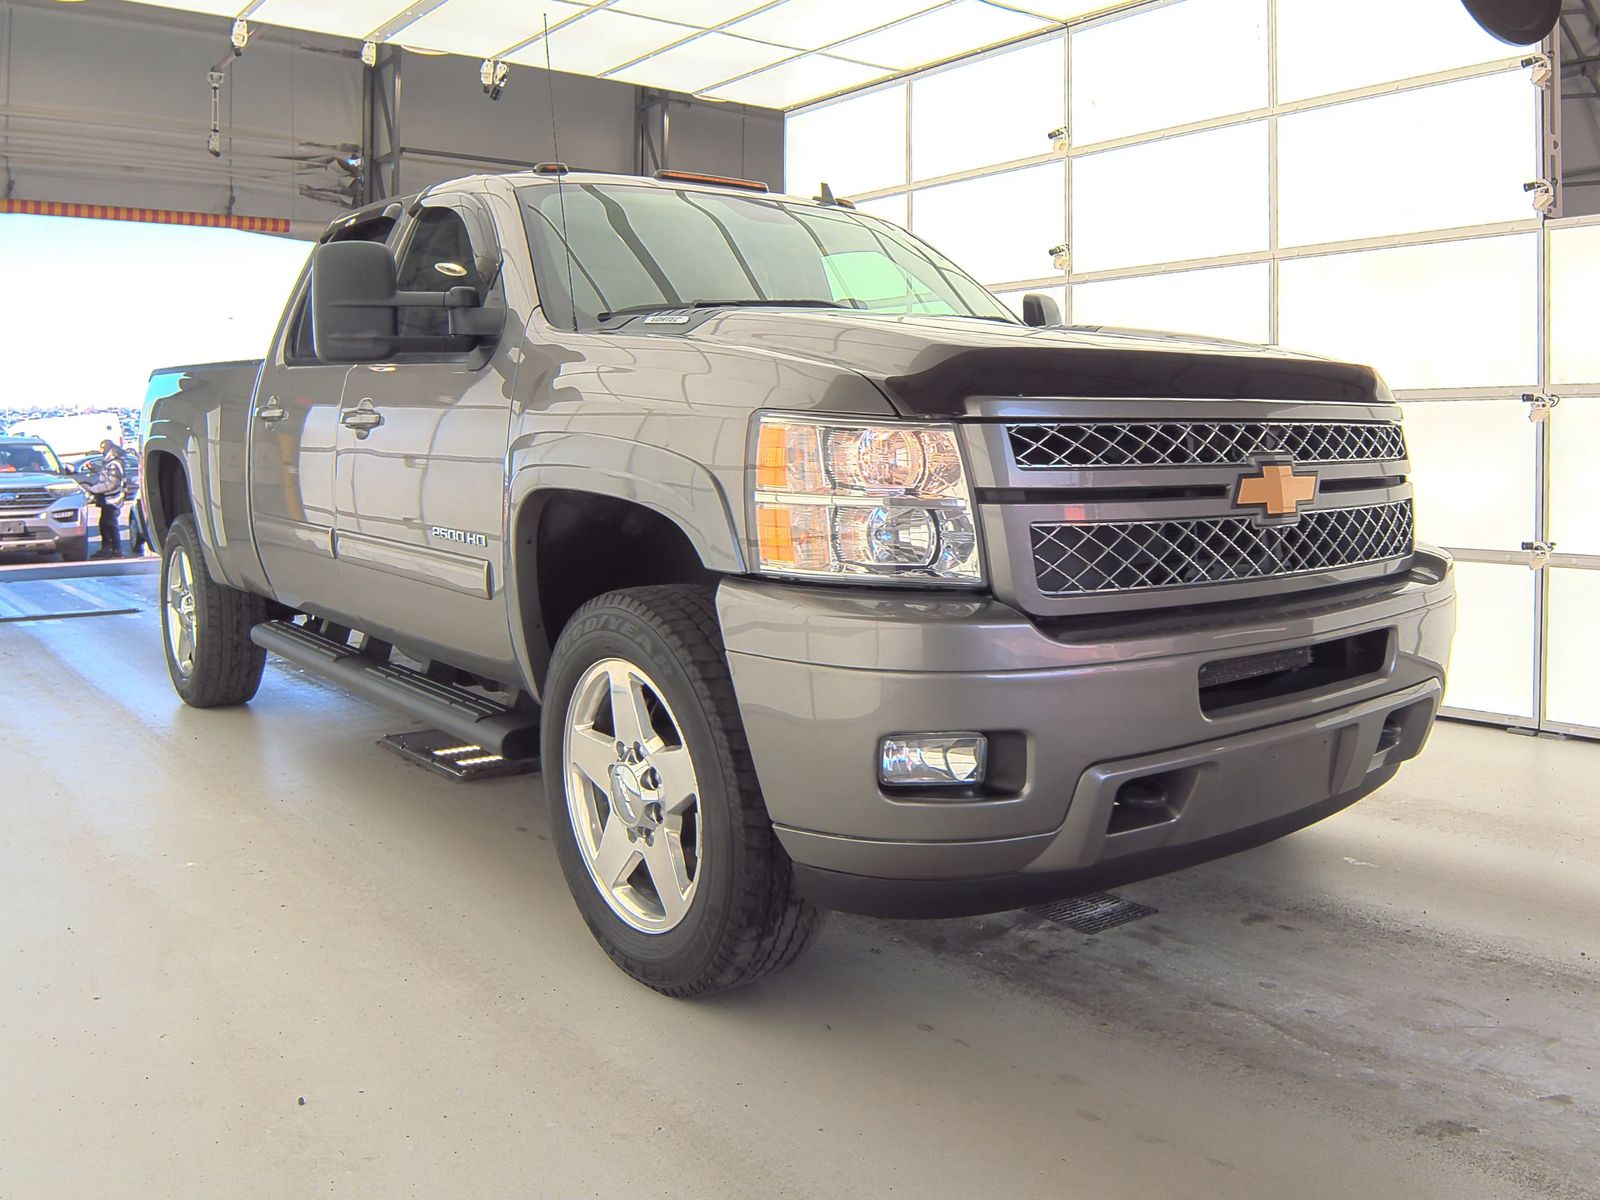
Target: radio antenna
(561, 170)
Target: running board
(458, 711)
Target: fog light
(932, 759)
(65, 514)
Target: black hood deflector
(930, 366)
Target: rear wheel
(654, 806)
(206, 626)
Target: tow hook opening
(1149, 800)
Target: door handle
(271, 411)
(363, 418)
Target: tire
(217, 664)
(74, 549)
(741, 916)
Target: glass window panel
(1337, 45)
(890, 208)
(999, 228)
(1574, 650)
(990, 111)
(1196, 196)
(1491, 666)
(813, 24)
(1472, 467)
(1013, 300)
(857, 144)
(1574, 304)
(1432, 158)
(1575, 476)
(1447, 315)
(1229, 302)
(960, 27)
(1168, 66)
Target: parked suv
(816, 578)
(41, 507)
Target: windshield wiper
(634, 310)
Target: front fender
(678, 488)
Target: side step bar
(458, 711)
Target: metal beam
(380, 126)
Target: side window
(438, 256)
(298, 346)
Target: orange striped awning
(154, 216)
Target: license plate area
(1229, 684)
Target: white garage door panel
(890, 208)
(1329, 46)
(1575, 476)
(991, 111)
(1366, 169)
(1446, 315)
(1199, 196)
(1574, 304)
(1472, 464)
(1574, 697)
(1229, 302)
(1169, 66)
(999, 228)
(857, 144)
(1491, 669)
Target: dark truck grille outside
(1080, 445)
(1092, 558)
(23, 502)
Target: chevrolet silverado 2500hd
(816, 578)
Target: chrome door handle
(271, 411)
(363, 418)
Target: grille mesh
(25, 501)
(1096, 558)
(1200, 443)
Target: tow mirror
(354, 317)
(355, 306)
(1040, 311)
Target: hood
(929, 366)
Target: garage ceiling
(772, 53)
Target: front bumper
(43, 535)
(1073, 713)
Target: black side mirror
(355, 306)
(354, 317)
(1040, 310)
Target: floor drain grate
(1092, 914)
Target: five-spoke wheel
(632, 795)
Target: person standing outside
(110, 482)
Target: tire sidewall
(679, 955)
(181, 536)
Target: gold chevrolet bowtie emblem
(1277, 489)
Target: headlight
(875, 503)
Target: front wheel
(654, 805)
(73, 550)
(206, 626)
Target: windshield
(639, 247)
(28, 458)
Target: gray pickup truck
(41, 505)
(815, 578)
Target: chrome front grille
(1092, 558)
(1088, 444)
(23, 501)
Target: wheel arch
(569, 545)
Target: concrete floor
(248, 953)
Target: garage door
(1267, 170)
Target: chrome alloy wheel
(182, 624)
(632, 795)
